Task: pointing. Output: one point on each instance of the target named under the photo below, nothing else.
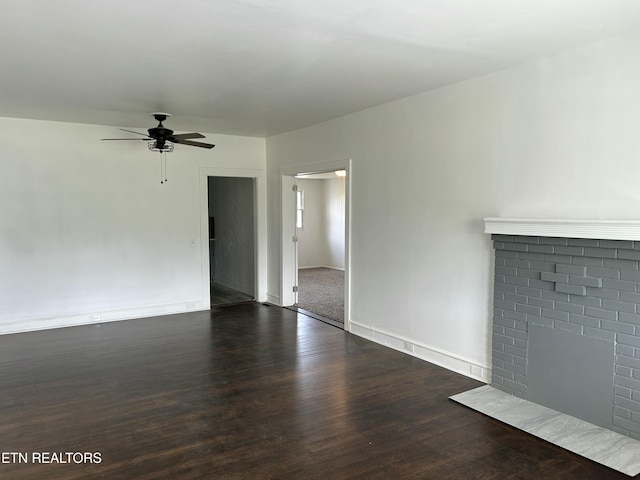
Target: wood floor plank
(250, 392)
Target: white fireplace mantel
(566, 228)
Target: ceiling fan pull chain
(161, 182)
(165, 167)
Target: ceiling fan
(161, 139)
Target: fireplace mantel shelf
(566, 228)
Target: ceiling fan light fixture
(166, 147)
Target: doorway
(231, 226)
(316, 241)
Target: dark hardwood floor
(249, 392)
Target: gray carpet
(321, 291)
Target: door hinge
(295, 238)
(294, 188)
(295, 289)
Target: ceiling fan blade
(184, 136)
(143, 139)
(137, 133)
(193, 144)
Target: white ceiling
(262, 67)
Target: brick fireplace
(566, 323)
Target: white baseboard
(322, 266)
(430, 354)
(46, 323)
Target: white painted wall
(322, 239)
(87, 229)
(231, 203)
(554, 138)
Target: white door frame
(260, 231)
(288, 251)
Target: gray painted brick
(608, 293)
(619, 370)
(554, 277)
(542, 248)
(600, 313)
(517, 280)
(542, 322)
(501, 262)
(620, 244)
(521, 317)
(584, 320)
(515, 351)
(555, 314)
(517, 263)
(528, 273)
(630, 297)
(543, 266)
(529, 292)
(518, 342)
(509, 358)
(526, 239)
(506, 254)
(599, 333)
(516, 388)
(539, 302)
(556, 296)
(512, 297)
(629, 318)
(576, 251)
(630, 275)
(516, 334)
(613, 273)
(585, 281)
(505, 305)
(622, 264)
(506, 340)
(624, 349)
(587, 301)
(617, 327)
(517, 247)
(630, 340)
(534, 257)
(553, 241)
(626, 424)
(588, 261)
(502, 373)
(505, 322)
(498, 329)
(512, 367)
(600, 252)
(539, 284)
(623, 392)
(622, 412)
(499, 279)
(507, 271)
(572, 269)
(569, 327)
(629, 254)
(629, 362)
(522, 326)
(571, 289)
(569, 307)
(520, 361)
(501, 287)
(625, 402)
(528, 309)
(583, 242)
(498, 295)
(501, 237)
(619, 284)
(557, 258)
